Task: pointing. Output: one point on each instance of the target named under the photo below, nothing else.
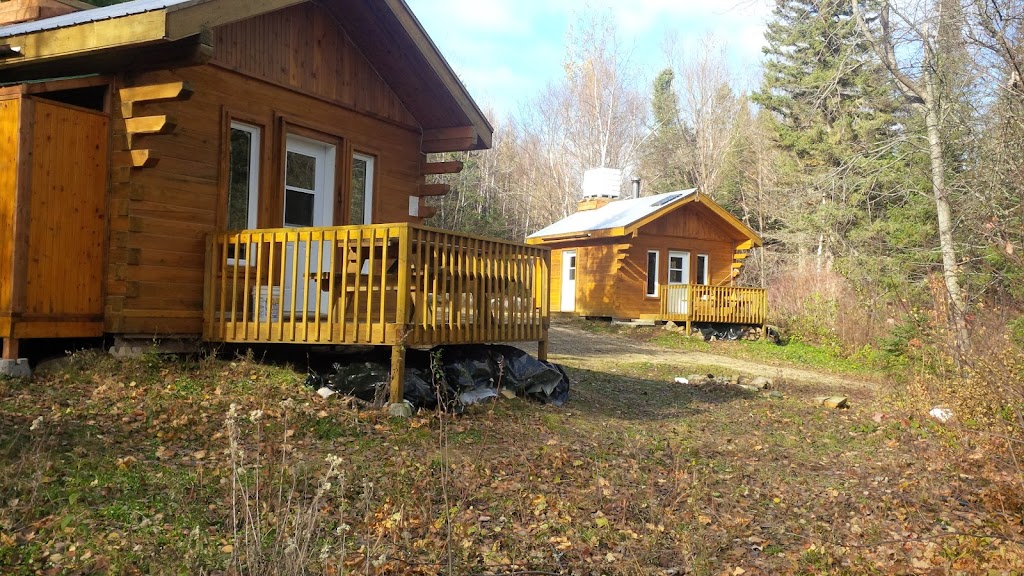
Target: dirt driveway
(573, 346)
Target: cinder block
(15, 368)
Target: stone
(833, 402)
(15, 368)
(762, 383)
(748, 387)
(401, 409)
(670, 325)
(775, 395)
(508, 393)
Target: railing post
(404, 256)
(398, 369)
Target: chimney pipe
(636, 187)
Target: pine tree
(831, 110)
(662, 163)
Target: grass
(110, 466)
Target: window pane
(675, 276)
(300, 171)
(356, 212)
(298, 208)
(652, 273)
(239, 174)
(702, 265)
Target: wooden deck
(691, 303)
(387, 284)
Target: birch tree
(915, 43)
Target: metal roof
(614, 214)
(91, 15)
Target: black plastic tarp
(464, 375)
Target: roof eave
(443, 70)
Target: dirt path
(580, 348)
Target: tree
(662, 164)
(917, 46)
(709, 109)
(593, 117)
(830, 113)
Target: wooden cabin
(247, 172)
(669, 257)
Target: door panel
(678, 281)
(308, 202)
(569, 281)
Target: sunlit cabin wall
(291, 71)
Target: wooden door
(308, 203)
(678, 282)
(67, 218)
(569, 281)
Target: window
(360, 208)
(703, 276)
(243, 178)
(572, 267)
(678, 267)
(652, 273)
(299, 189)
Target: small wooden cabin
(672, 256)
(243, 171)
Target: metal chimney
(636, 187)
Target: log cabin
(243, 171)
(669, 257)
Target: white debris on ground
(941, 414)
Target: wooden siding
(692, 221)
(64, 276)
(303, 48)
(10, 120)
(161, 215)
(595, 279)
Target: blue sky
(505, 51)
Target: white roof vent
(602, 182)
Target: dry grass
(132, 469)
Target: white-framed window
(243, 179)
(703, 270)
(360, 206)
(652, 272)
(678, 267)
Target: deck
(393, 285)
(691, 303)
(384, 284)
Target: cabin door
(678, 282)
(569, 281)
(308, 202)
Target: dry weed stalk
(276, 520)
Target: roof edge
(443, 69)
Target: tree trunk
(957, 305)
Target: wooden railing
(378, 284)
(725, 304)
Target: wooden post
(542, 350)
(397, 373)
(10, 349)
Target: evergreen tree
(831, 112)
(662, 163)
